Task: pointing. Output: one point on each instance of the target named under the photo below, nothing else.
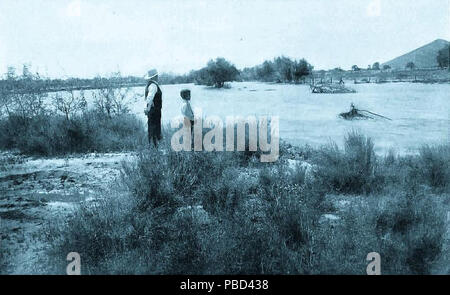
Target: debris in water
(331, 88)
(355, 113)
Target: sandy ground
(34, 190)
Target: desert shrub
(112, 101)
(121, 132)
(352, 171)
(191, 213)
(289, 151)
(98, 232)
(55, 135)
(435, 165)
(161, 230)
(413, 225)
(262, 227)
(395, 171)
(223, 196)
(407, 231)
(11, 128)
(243, 246)
(390, 158)
(268, 232)
(151, 181)
(410, 172)
(27, 104)
(211, 213)
(69, 103)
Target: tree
(202, 77)
(301, 69)
(355, 68)
(69, 103)
(386, 67)
(26, 73)
(443, 57)
(284, 66)
(11, 73)
(410, 65)
(249, 74)
(376, 66)
(220, 71)
(112, 101)
(28, 105)
(266, 72)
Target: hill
(422, 57)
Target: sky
(86, 38)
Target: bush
(435, 165)
(406, 226)
(97, 231)
(407, 231)
(188, 213)
(55, 135)
(351, 171)
(212, 213)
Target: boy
(186, 109)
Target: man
(153, 97)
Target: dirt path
(32, 191)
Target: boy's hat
(185, 94)
(151, 74)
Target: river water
(420, 113)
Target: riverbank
(35, 191)
(313, 211)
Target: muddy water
(420, 113)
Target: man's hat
(151, 74)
